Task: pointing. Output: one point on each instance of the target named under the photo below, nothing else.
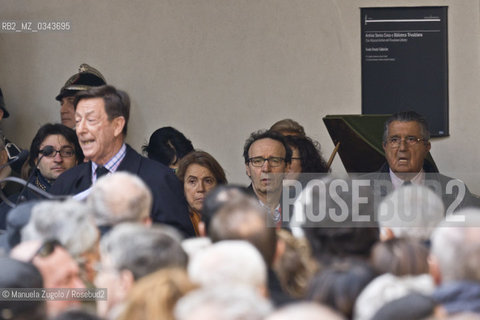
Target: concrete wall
(220, 69)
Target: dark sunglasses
(50, 152)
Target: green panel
(365, 132)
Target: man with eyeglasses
(54, 150)
(101, 116)
(267, 160)
(406, 142)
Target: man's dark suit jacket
(436, 181)
(169, 204)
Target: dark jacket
(169, 204)
(278, 296)
(455, 297)
(445, 187)
(458, 296)
(36, 180)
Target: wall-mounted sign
(405, 63)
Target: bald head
(306, 311)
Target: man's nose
(57, 157)
(403, 144)
(266, 166)
(80, 126)
(63, 108)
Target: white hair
(70, 222)
(120, 197)
(456, 247)
(223, 303)
(388, 287)
(412, 211)
(228, 262)
(305, 311)
(143, 250)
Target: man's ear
(428, 146)
(1, 114)
(127, 280)
(288, 166)
(247, 168)
(118, 125)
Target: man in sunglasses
(54, 150)
(267, 159)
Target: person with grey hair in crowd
(412, 211)
(233, 262)
(71, 223)
(402, 265)
(305, 311)
(455, 268)
(455, 259)
(223, 303)
(120, 197)
(129, 252)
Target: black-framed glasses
(394, 142)
(296, 158)
(45, 249)
(272, 161)
(65, 152)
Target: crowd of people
(165, 236)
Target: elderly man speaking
(406, 142)
(101, 116)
